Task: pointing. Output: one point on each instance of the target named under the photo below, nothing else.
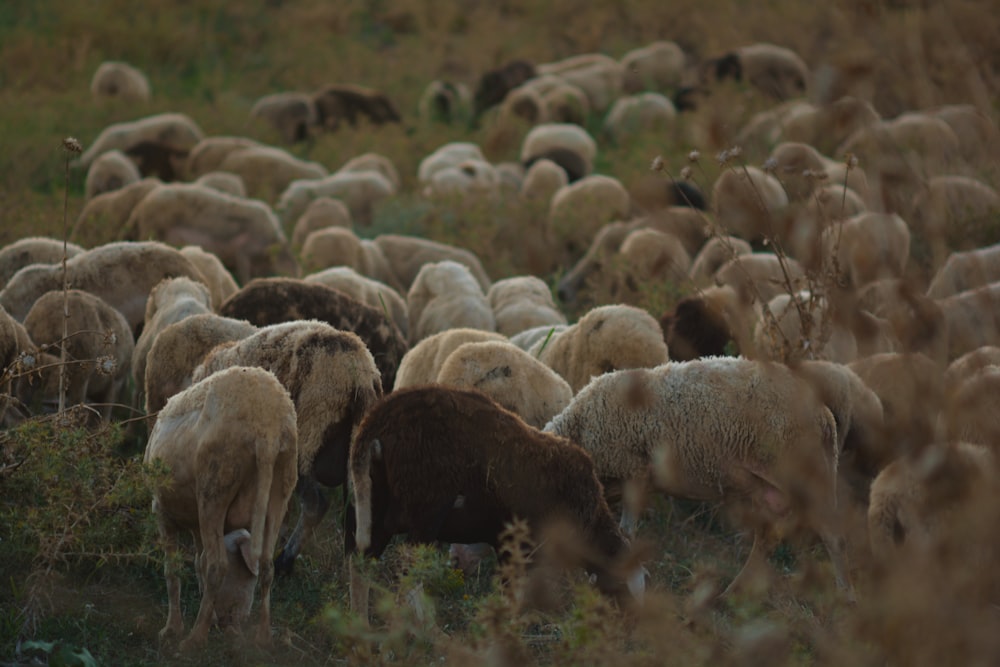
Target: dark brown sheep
(347, 102)
(494, 84)
(451, 465)
(275, 300)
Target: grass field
(78, 563)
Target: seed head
(106, 365)
(657, 163)
(770, 165)
(851, 160)
(686, 172)
(694, 156)
(72, 145)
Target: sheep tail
(265, 477)
(361, 480)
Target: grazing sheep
(600, 77)
(716, 252)
(110, 171)
(868, 247)
(119, 80)
(158, 144)
(221, 284)
(970, 414)
(422, 363)
(223, 181)
(373, 162)
(510, 376)
(971, 318)
(333, 382)
(445, 295)
(658, 67)
(367, 290)
(527, 339)
(268, 171)
(445, 102)
(476, 178)
(110, 212)
(605, 339)
(321, 213)
(764, 129)
(541, 181)
(445, 156)
(14, 342)
(578, 211)
(291, 114)
(229, 444)
(408, 254)
(574, 164)
(801, 169)
(547, 137)
(826, 127)
(638, 115)
(98, 350)
(209, 153)
(713, 322)
(179, 349)
(170, 301)
(347, 102)
(760, 275)
(922, 502)
(777, 72)
(243, 233)
(361, 191)
(121, 274)
(968, 365)
(33, 250)
(955, 213)
(445, 464)
(747, 202)
(978, 138)
(525, 103)
(267, 301)
(337, 246)
(522, 302)
(564, 101)
(494, 84)
(827, 205)
(966, 270)
(715, 429)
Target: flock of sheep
(279, 353)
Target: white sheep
(117, 79)
(447, 155)
(243, 233)
(33, 250)
(446, 295)
(568, 136)
(422, 362)
(715, 429)
(291, 114)
(361, 191)
(110, 171)
(321, 213)
(658, 67)
(578, 210)
(527, 339)
(868, 247)
(408, 254)
(267, 171)
(367, 290)
(605, 339)
(639, 114)
(338, 246)
(220, 282)
(229, 444)
(109, 212)
(159, 144)
(522, 302)
(223, 181)
(601, 79)
(373, 162)
(472, 178)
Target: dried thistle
(694, 156)
(657, 163)
(770, 166)
(72, 145)
(687, 173)
(106, 365)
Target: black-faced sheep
(98, 347)
(267, 301)
(121, 274)
(119, 80)
(423, 362)
(367, 290)
(444, 464)
(158, 144)
(229, 443)
(469, 178)
(333, 382)
(243, 233)
(33, 250)
(445, 102)
(346, 102)
(522, 302)
(446, 295)
(776, 71)
(321, 213)
(408, 254)
(573, 163)
(291, 114)
(714, 322)
(110, 171)
(605, 339)
(542, 140)
(716, 429)
(494, 84)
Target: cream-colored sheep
(447, 155)
(337, 246)
(715, 429)
(542, 180)
(333, 382)
(446, 295)
(178, 350)
(972, 319)
(33, 250)
(801, 169)
(243, 233)
(170, 301)
(98, 347)
(529, 338)
(422, 362)
(511, 377)
(578, 210)
(954, 212)
(16, 350)
(407, 255)
(291, 114)
(639, 114)
(548, 136)
(565, 102)
(747, 202)
(122, 274)
(361, 191)
(229, 444)
(868, 247)
(119, 80)
(472, 178)
(220, 282)
(978, 137)
(968, 365)
(321, 213)
(522, 302)
(223, 181)
(763, 130)
(111, 211)
(605, 339)
(373, 162)
(268, 171)
(966, 270)
(713, 255)
(511, 175)
(760, 275)
(826, 127)
(209, 153)
(802, 238)
(159, 144)
(367, 290)
(658, 67)
(601, 81)
(970, 414)
(110, 171)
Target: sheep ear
(239, 540)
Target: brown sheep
(777, 72)
(966, 270)
(209, 153)
(108, 214)
(713, 322)
(321, 213)
(347, 102)
(220, 282)
(445, 464)
(292, 115)
(158, 144)
(229, 443)
(267, 301)
(494, 85)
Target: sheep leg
(175, 619)
(212, 569)
(313, 505)
(836, 546)
(359, 590)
